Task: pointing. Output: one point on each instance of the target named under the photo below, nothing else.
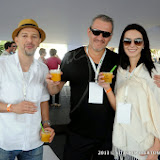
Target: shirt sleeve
(59, 61)
(153, 93)
(45, 93)
(66, 67)
(153, 105)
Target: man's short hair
(53, 52)
(42, 51)
(104, 18)
(12, 42)
(7, 45)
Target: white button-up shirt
(21, 131)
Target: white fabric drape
(138, 136)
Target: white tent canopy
(66, 21)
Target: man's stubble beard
(98, 49)
(31, 53)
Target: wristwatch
(47, 122)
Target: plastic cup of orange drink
(107, 77)
(56, 75)
(45, 136)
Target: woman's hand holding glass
(102, 82)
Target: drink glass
(45, 136)
(107, 77)
(56, 75)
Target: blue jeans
(35, 154)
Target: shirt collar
(34, 64)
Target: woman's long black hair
(145, 53)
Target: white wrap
(144, 96)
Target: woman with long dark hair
(136, 130)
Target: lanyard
(93, 64)
(25, 80)
(24, 87)
(126, 90)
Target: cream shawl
(144, 97)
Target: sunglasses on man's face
(97, 32)
(14, 46)
(137, 41)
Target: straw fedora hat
(28, 23)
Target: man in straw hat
(24, 97)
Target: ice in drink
(107, 77)
(45, 136)
(56, 75)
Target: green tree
(1, 49)
(2, 46)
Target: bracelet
(48, 122)
(107, 91)
(8, 107)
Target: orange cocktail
(45, 136)
(56, 75)
(107, 77)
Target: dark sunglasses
(97, 32)
(14, 46)
(137, 41)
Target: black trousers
(56, 99)
(81, 148)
